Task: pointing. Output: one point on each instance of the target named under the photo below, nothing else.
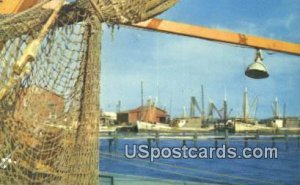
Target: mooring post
(195, 139)
(298, 142)
(226, 137)
(110, 145)
(273, 141)
(246, 139)
(216, 131)
(157, 138)
(286, 138)
(184, 142)
(149, 142)
(257, 137)
(116, 141)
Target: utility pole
(275, 108)
(246, 106)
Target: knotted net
(50, 87)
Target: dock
(156, 137)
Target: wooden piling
(216, 143)
(246, 140)
(195, 139)
(273, 142)
(115, 141)
(149, 142)
(298, 142)
(286, 138)
(184, 142)
(157, 138)
(226, 137)
(110, 141)
(257, 137)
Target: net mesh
(50, 86)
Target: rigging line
(191, 169)
(166, 171)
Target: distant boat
(179, 123)
(225, 125)
(142, 126)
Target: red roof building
(144, 113)
(38, 105)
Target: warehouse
(143, 113)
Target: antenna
(170, 108)
(225, 94)
(253, 107)
(142, 93)
(155, 103)
(275, 108)
(119, 106)
(184, 112)
(202, 102)
(192, 107)
(284, 110)
(225, 110)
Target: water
(284, 170)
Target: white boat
(141, 125)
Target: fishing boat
(143, 126)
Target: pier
(224, 137)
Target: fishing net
(50, 87)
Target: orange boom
(15, 6)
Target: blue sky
(174, 67)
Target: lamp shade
(257, 70)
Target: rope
(49, 108)
(30, 53)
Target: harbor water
(283, 170)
